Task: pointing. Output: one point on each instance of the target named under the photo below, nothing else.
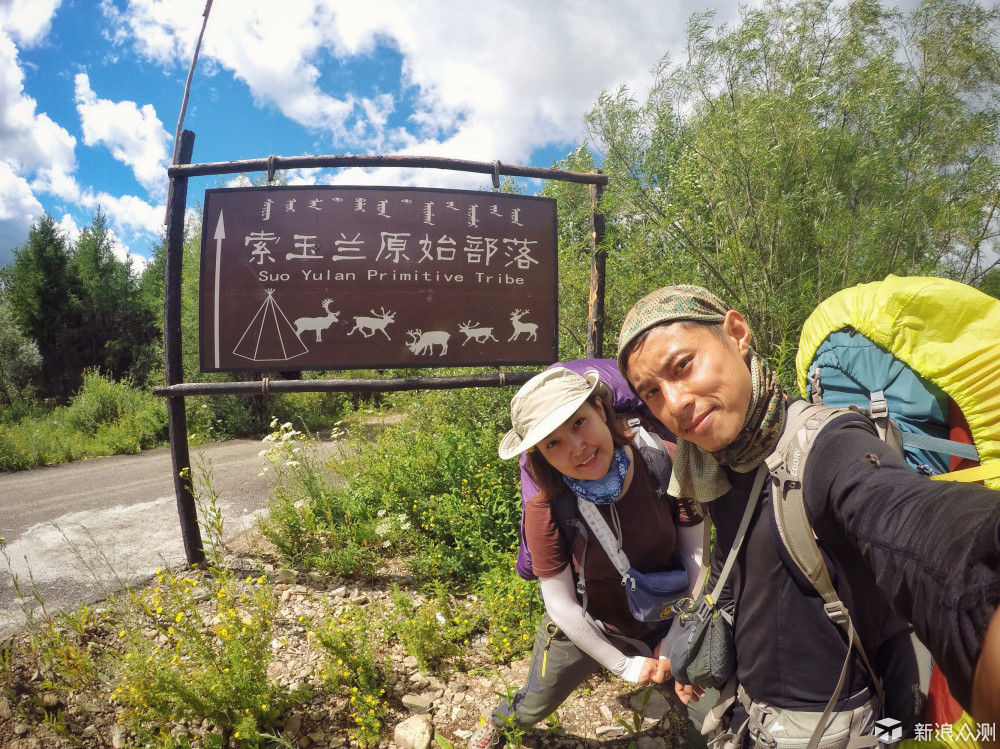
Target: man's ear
(735, 326)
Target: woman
(577, 450)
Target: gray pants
(557, 668)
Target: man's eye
(651, 394)
(578, 422)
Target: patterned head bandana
(697, 474)
(666, 305)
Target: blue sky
(90, 91)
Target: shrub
(350, 669)
(199, 666)
(434, 631)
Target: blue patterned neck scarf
(605, 490)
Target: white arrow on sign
(220, 234)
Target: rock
(20, 729)
(118, 737)
(656, 708)
(410, 663)
(50, 700)
(650, 742)
(340, 592)
(291, 727)
(609, 731)
(415, 732)
(5, 712)
(607, 714)
(283, 576)
(90, 731)
(417, 703)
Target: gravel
(418, 703)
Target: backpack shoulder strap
(787, 467)
(654, 452)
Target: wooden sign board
(324, 277)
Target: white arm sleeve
(690, 540)
(559, 594)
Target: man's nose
(675, 401)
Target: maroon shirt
(649, 538)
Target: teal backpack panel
(852, 367)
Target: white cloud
(70, 229)
(27, 21)
(36, 154)
(128, 214)
(134, 135)
(491, 79)
(18, 210)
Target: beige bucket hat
(544, 402)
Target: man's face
(694, 381)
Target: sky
(91, 92)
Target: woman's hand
(688, 692)
(654, 670)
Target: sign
(323, 277)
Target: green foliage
(434, 631)
(439, 468)
(430, 485)
(41, 299)
(350, 669)
(511, 609)
(104, 418)
(810, 147)
(210, 666)
(82, 307)
(574, 237)
(309, 521)
(19, 358)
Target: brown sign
(325, 277)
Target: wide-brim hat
(544, 402)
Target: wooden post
(598, 258)
(174, 369)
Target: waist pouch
(652, 595)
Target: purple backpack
(623, 401)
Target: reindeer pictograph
(424, 343)
(473, 331)
(378, 321)
(522, 327)
(317, 324)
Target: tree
(42, 303)
(19, 357)
(115, 324)
(812, 147)
(82, 306)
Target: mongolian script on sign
(317, 278)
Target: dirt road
(81, 530)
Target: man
(895, 543)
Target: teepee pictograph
(270, 336)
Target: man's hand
(688, 692)
(654, 670)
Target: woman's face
(582, 447)
(694, 381)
